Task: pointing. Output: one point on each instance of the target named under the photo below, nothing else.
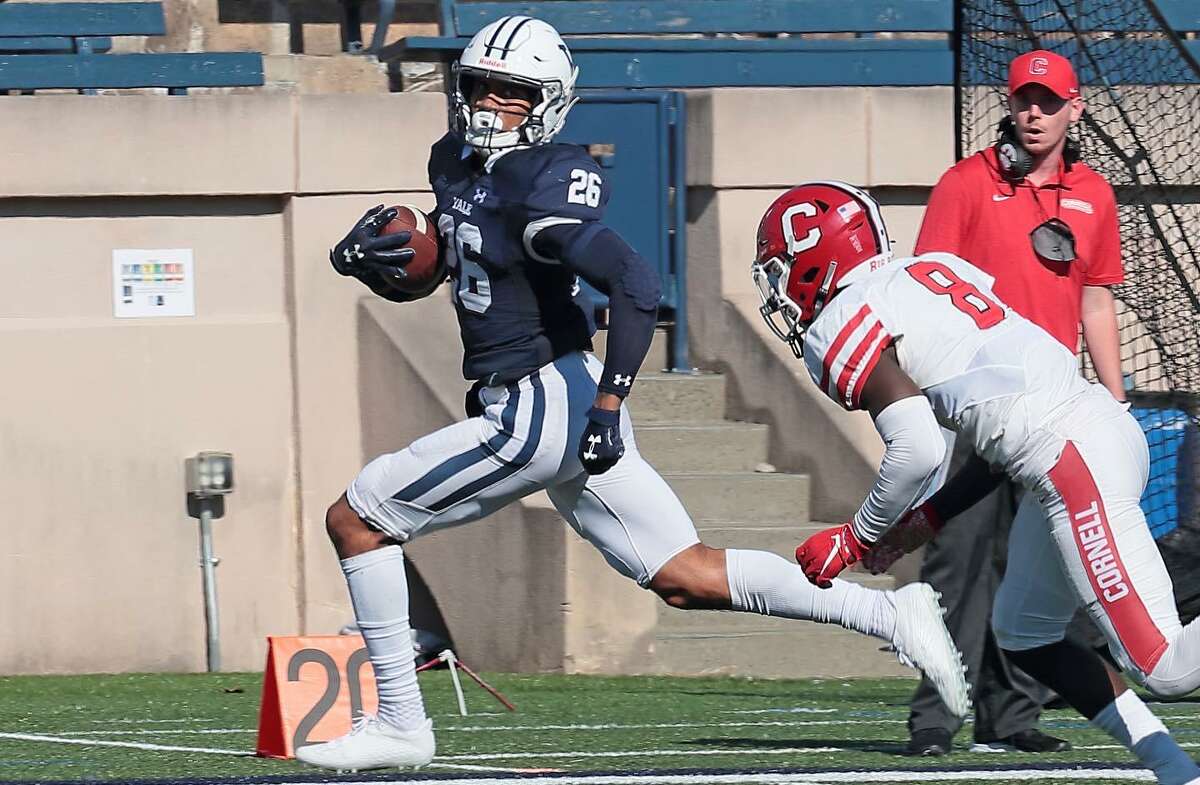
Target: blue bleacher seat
(63, 45)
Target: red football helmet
(809, 242)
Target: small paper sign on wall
(153, 282)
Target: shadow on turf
(887, 748)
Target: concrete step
(711, 446)
(742, 495)
(678, 397)
(794, 649)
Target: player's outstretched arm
(914, 452)
(597, 254)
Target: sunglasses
(1054, 241)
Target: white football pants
(526, 441)
(1080, 537)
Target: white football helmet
(526, 52)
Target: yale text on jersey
(462, 206)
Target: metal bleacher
(722, 43)
(65, 46)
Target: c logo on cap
(1039, 66)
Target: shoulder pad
(843, 344)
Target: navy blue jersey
(516, 310)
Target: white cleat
(373, 744)
(922, 641)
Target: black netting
(1142, 132)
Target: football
(427, 267)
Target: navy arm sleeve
(599, 256)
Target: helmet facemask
(778, 310)
(481, 128)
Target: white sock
(379, 593)
(762, 582)
(1130, 722)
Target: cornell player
(520, 218)
(922, 341)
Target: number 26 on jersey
(472, 289)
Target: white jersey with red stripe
(990, 375)
(1016, 394)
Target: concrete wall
(98, 571)
(285, 367)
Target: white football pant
(1080, 537)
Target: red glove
(825, 554)
(912, 531)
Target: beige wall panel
(911, 132)
(238, 259)
(738, 213)
(148, 144)
(903, 223)
(327, 372)
(157, 390)
(93, 484)
(387, 152)
(776, 137)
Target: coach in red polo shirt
(989, 209)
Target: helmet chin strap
(826, 289)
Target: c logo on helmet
(810, 240)
(1039, 66)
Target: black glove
(363, 249)
(472, 404)
(601, 447)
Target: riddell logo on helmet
(493, 63)
(1039, 66)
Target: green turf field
(51, 728)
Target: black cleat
(1032, 740)
(929, 743)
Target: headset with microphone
(1015, 161)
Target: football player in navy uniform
(520, 219)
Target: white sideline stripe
(163, 732)
(636, 753)
(769, 778)
(466, 767)
(604, 726)
(739, 751)
(795, 710)
(150, 722)
(130, 744)
(616, 726)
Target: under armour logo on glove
(825, 554)
(622, 381)
(352, 255)
(363, 249)
(601, 447)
